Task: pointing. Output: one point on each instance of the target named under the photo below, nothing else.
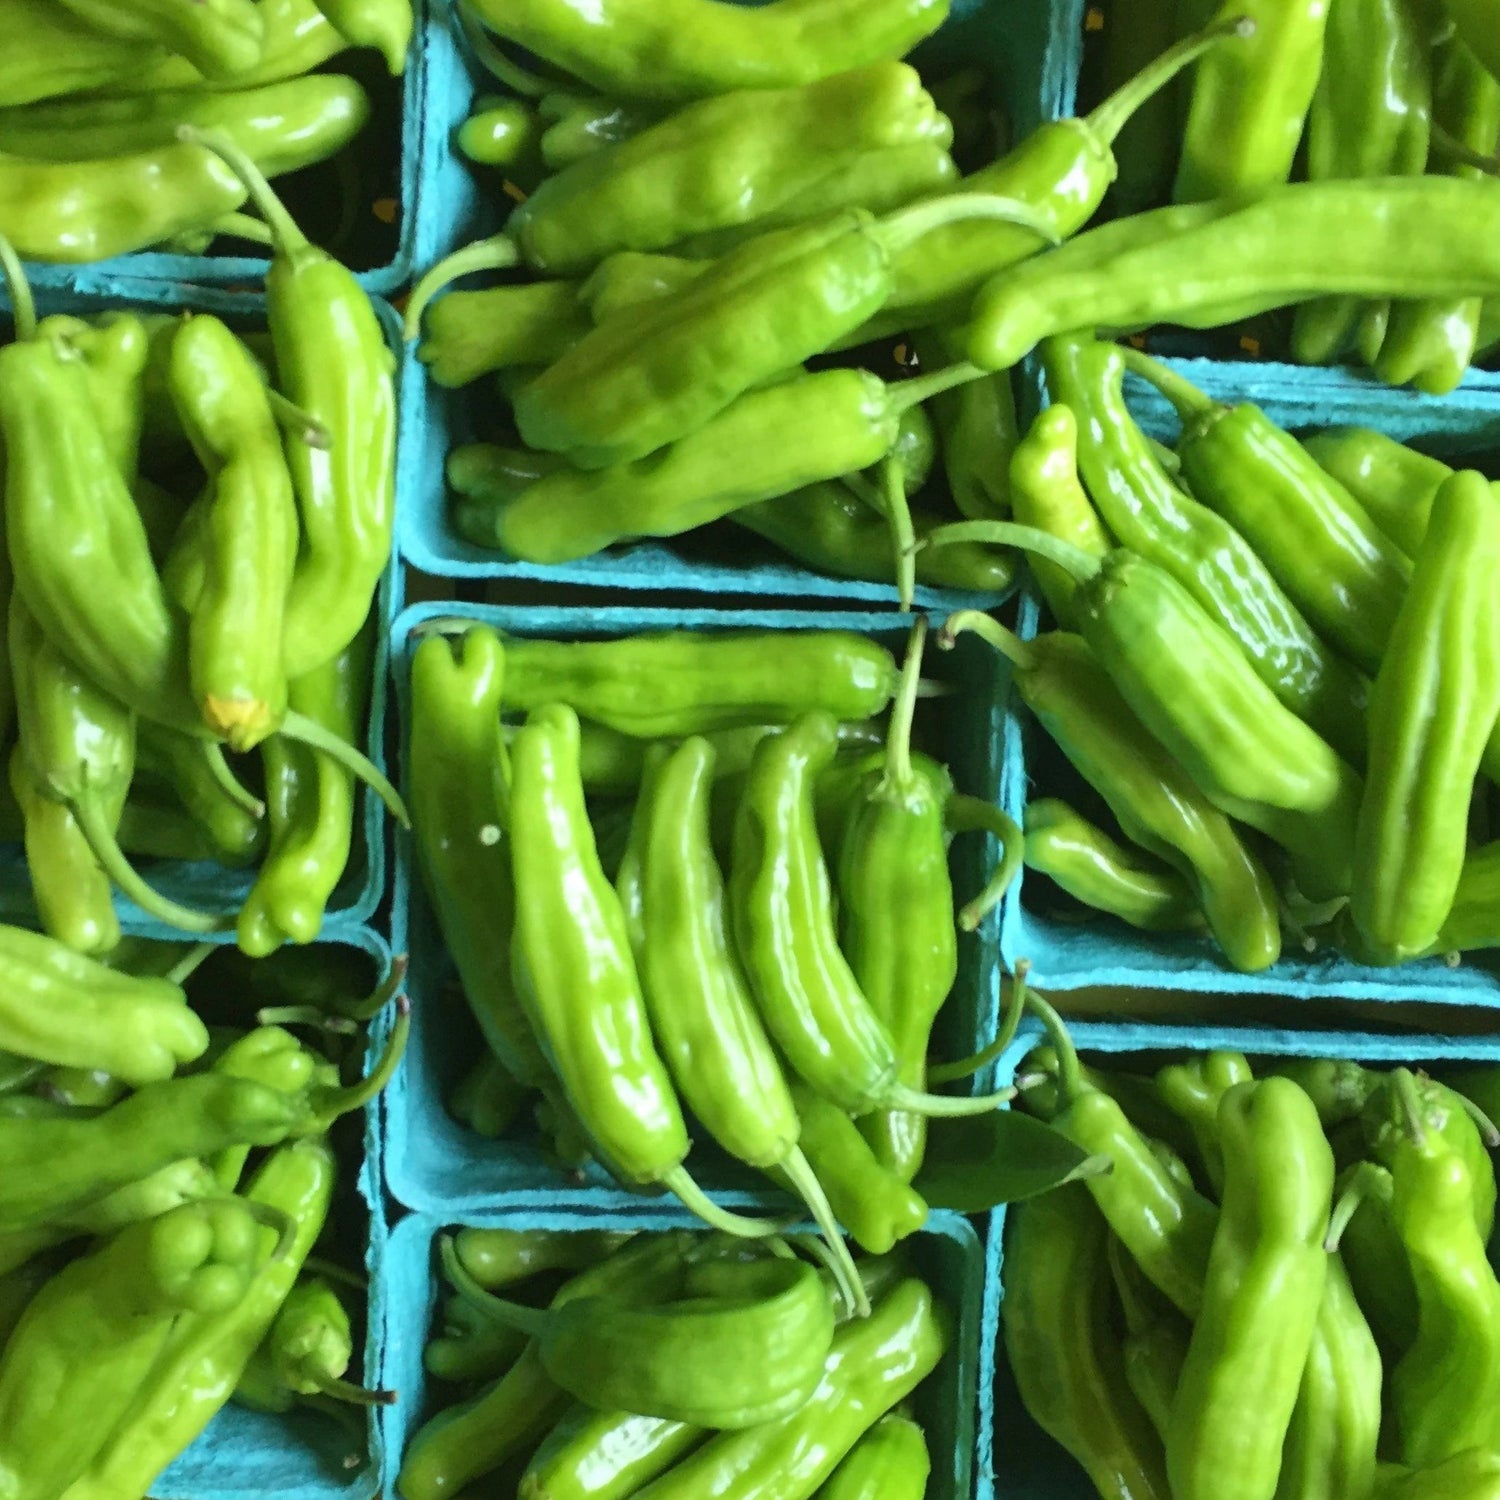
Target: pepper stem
(1450, 148)
(329, 1104)
(97, 834)
(1074, 561)
(286, 234)
(306, 731)
(227, 782)
(189, 963)
(697, 1201)
(494, 254)
(349, 1393)
(243, 227)
(1069, 1070)
(903, 709)
(903, 537)
(974, 815)
(1187, 400)
(1409, 1102)
(840, 1263)
(942, 1106)
(331, 1270)
(1485, 1125)
(296, 423)
(278, 1222)
(901, 229)
(382, 995)
(532, 1321)
(496, 63)
(23, 304)
(908, 393)
(1010, 1023)
(1109, 118)
(1021, 654)
(1361, 1184)
(305, 1015)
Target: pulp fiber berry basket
(1065, 955)
(946, 1254)
(308, 1455)
(374, 232)
(1017, 1460)
(433, 1164)
(1018, 46)
(206, 884)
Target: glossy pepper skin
(208, 1351)
(1376, 1261)
(1371, 116)
(1253, 758)
(1064, 1354)
(890, 1462)
(1473, 921)
(1429, 344)
(764, 444)
(235, 650)
(221, 38)
(65, 1009)
(687, 49)
(385, 25)
(1193, 1089)
(1336, 565)
(1267, 1268)
(649, 192)
(305, 1353)
(1395, 484)
(593, 1455)
(498, 1258)
(1433, 709)
(670, 683)
(467, 1347)
(1157, 804)
(72, 1368)
(1092, 867)
(1249, 103)
(469, 334)
(1164, 1223)
(298, 38)
(454, 758)
(875, 1363)
(1443, 1391)
(978, 433)
(1150, 515)
(1472, 1475)
(1396, 235)
(333, 363)
(697, 999)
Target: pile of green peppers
(168, 1200)
(575, 806)
(1277, 663)
(196, 523)
(1282, 1289)
(94, 93)
(672, 1364)
(1392, 88)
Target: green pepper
(1266, 1270)
(890, 1462)
(1156, 802)
(1336, 565)
(1364, 1232)
(1395, 484)
(578, 125)
(221, 38)
(774, 1316)
(471, 1345)
(97, 1327)
(874, 1364)
(469, 334)
(1155, 1342)
(385, 25)
(781, 910)
(496, 1258)
(48, 51)
(1249, 103)
(1089, 865)
(65, 1009)
(1432, 711)
(1193, 1089)
(1474, 1475)
(1064, 1354)
(199, 779)
(1149, 514)
(1371, 116)
(1146, 148)
(697, 999)
(1430, 343)
(1475, 20)
(298, 38)
(687, 50)
(593, 1455)
(1444, 1389)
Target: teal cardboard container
(206, 884)
(1016, 1459)
(946, 1253)
(306, 1454)
(1101, 951)
(1018, 42)
(432, 1163)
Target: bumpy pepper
(469, 334)
(1085, 862)
(1434, 707)
(1064, 1354)
(890, 1462)
(593, 1455)
(221, 38)
(1194, 1089)
(496, 1258)
(1155, 1342)
(1266, 1270)
(1156, 802)
(470, 1346)
(298, 38)
(383, 24)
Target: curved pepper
(1157, 804)
(298, 38)
(221, 38)
(1394, 483)
(890, 1462)
(383, 24)
(1155, 1342)
(1193, 1089)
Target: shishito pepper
(1155, 1342)
(72, 1370)
(497, 1258)
(383, 24)
(1266, 1270)
(221, 38)
(1194, 1089)
(1065, 1356)
(1157, 803)
(890, 1462)
(1433, 709)
(1394, 483)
